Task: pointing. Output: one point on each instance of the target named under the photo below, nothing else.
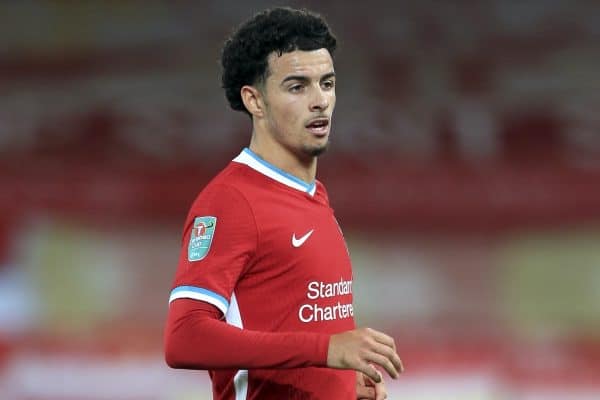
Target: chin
(317, 150)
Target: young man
(262, 296)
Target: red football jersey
(265, 248)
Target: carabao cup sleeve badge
(201, 237)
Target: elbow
(174, 357)
(178, 355)
(184, 342)
(171, 357)
(172, 361)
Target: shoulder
(221, 196)
(238, 191)
(231, 182)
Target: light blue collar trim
(252, 160)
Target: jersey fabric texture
(265, 248)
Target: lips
(318, 126)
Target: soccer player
(262, 297)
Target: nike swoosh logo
(300, 241)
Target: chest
(300, 239)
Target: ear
(253, 100)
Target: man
(262, 296)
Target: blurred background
(464, 169)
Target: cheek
(289, 113)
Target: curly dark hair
(244, 59)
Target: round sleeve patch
(201, 237)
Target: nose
(319, 101)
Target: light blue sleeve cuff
(196, 293)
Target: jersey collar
(252, 160)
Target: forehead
(314, 64)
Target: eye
(328, 84)
(295, 88)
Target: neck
(304, 168)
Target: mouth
(318, 126)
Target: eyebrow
(303, 78)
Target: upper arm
(220, 238)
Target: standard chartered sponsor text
(313, 312)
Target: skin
(367, 389)
(300, 86)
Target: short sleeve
(219, 239)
